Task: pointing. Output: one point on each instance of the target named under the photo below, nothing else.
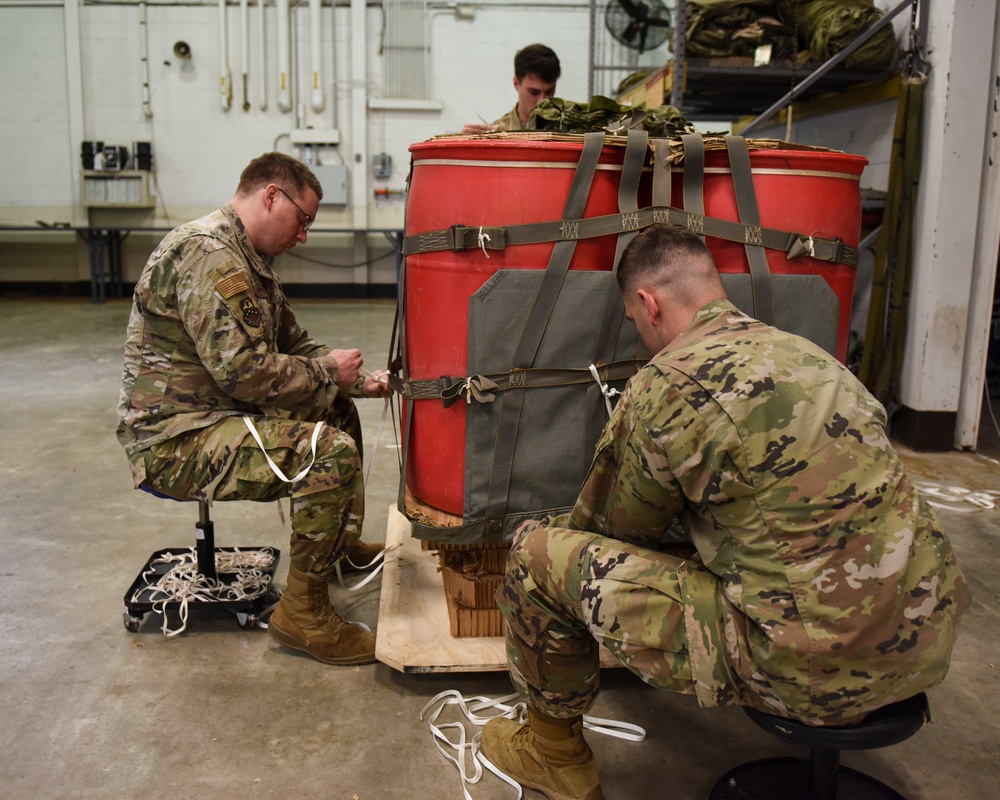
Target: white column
(74, 94)
(359, 133)
(984, 267)
(958, 96)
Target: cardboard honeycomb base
(468, 622)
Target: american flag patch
(232, 285)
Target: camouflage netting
(721, 28)
(605, 114)
(828, 26)
(807, 30)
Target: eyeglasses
(308, 220)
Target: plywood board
(413, 630)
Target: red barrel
(800, 191)
(501, 183)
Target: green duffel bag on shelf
(825, 27)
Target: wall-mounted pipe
(284, 58)
(262, 49)
(147, 108)
(226, 78)
(316, 53)
(245, 49)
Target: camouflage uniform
(509, 121)
(212, 339)
(819, 586)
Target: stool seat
(820, 777)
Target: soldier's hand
(376, 384)
(348, 363)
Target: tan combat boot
(304, 620)
(546, 754)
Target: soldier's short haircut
(538, 60)
(665, 254)
(289, 173)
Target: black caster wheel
(131, 623)
(246, 620)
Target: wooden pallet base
(413, 626)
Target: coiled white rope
(465, 753)
(955, 498)
(183, 584)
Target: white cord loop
(606, 389)
(483, 238)
(380, 559)
(274, 467)
(465, 753)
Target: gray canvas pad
(553, 449)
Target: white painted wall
(199, 148)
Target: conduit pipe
(147, 108)
(226, 78)
(245, 49)
(284, 58)
(263, 55)
(315, 53)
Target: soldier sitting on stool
(822, 587)
(215, 355)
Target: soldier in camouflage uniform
(819, 585)
(214, 355)
(536, 70)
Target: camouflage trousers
(223, 460)
(565, 591)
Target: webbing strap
(694, 173)
(614, 312)
(794, 245)
(531, 336)
(746, 204)
(661, 172)
(483, 388)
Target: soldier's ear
(651, 305)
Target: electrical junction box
(333, 179)
(381, 165)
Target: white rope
(183, 584)
(955, 498)
(606, 389)
(274, 467)
(381, 424)
(466, 753)
(483, 239)
(379, 559)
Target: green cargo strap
(614, 312)
(694, 173)
(661, 172)
(793, 245)
(531, 336)
(483, 388)
(746, 204)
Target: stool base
(788, 779)
(145, 594)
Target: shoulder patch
(232, 285)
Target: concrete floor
(89, 710)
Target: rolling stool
(821, 777)
(149, 591)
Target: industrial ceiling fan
(639, 24)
